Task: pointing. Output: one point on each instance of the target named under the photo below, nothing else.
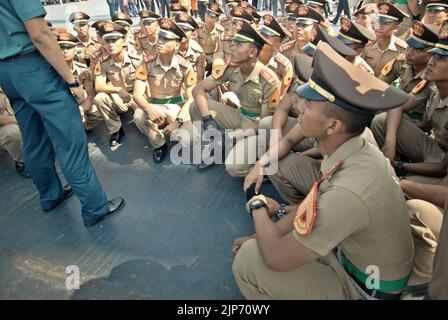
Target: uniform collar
(174, 63)
(392, 46)
(126, 61)
(255, 74)
(344, 151)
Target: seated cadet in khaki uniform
(126, 22)
(209, 33)
(270, 56)
(10, 136)
(387, 45)
(319, 6)
(356, 37)
(256, 86)
(189, 49)
(410, 68)
(343, 235)
(306, 18)
(114, 80)
(424, 153)
(95, 57)
(87, 44)
(436, 12)
(176, 8)
(168, 76)
(90, 114)
(365, 16)
(146, 36)
(426, 215)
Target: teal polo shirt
(14, 39)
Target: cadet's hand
(155, 115)
(254, 176)
(273, 206)
(171, 127)
(389, 151)
(238, 242)
(124, 95)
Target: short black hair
(355, 123)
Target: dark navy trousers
(51, 127)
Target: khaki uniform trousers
(110, 106)
(406, 24)
(438, 288)
(91, 118)
(154, 132)
(426, 221)
(324, 278)
(239, 162)
(412, 143)
(11, 141)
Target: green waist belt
(414, 115)
(248, 113)
(167, 101)
(385, 285)
(401, 1)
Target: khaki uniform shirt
(167, 82)
(437, 115)
(81, 72)
(259, 93)
(408, 81)
(289, 50)
(362, 211)
(194, 54)
(143, 43)
(119, 76)
(283, 68)
(209, 40)
(5, 106)
(376, 58)
(86, 49)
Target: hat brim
(344, 40)
(436, 7)
(439, 51)
(305, 21)
(383, 19)
(306, 92)
(415, 44)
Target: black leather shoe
(68, 192)
(114, 207)
(115, 138)
(20, 168)
(159, 153)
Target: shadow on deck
(172, 241)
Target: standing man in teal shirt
(40, 87)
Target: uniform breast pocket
(155, 80)
(176, 81)
(255, 96)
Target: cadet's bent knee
(245, 260)
(100, 99)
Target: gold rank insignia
(238, 25)
(165, 23)
(176, 6)
(238, 11)
(108, 27)
(306, 212)
(214, 7)
(388, 67)
(183, 17)
(267, 19)
(64, 36)
(302, 11)
(293, 7)
(418, 29)
(443, 33)
(383, 9)
(345, 24)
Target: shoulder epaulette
(269, 76)
(420, 86)
(220, 28)
(280, 58)
(183, 62)
(388, 67)
(142, 72)
(196, 46)
(218, 71)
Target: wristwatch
(281, 212)
(75, 84)
(256, 204)
(180, 121)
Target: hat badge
(384, 9)
(238, 25)
(303, 11)
(238, 11)
(443, 33)
(293, 7)
(214, 7)
(165, 23)
(183, 17)
(267, 19)
(64, 36)
(345, 24)
(108, 27)
(418, 29)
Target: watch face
(257, 203)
